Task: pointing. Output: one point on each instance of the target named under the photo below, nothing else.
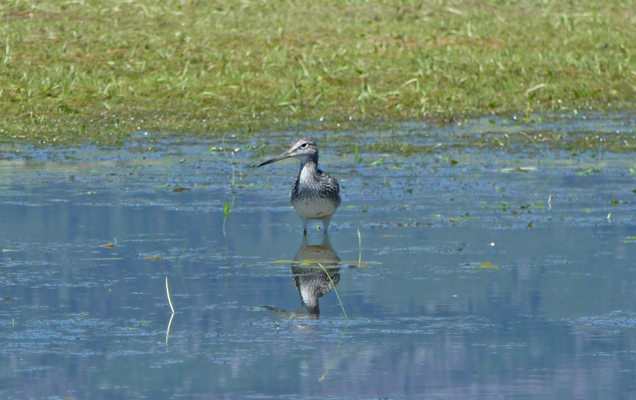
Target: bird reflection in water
(310, 279)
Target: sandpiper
(315, 195)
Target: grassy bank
(102, 69)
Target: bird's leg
(325, 223)
(304, 226)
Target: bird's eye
(303, 146)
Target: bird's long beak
(277, 158)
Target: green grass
(102, 69)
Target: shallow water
(483, 274)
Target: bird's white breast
(314, 208)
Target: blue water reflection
(476, 281)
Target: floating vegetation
(484, 265)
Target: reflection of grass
(172, 308)
(228, 205)
(333, 285)
(359, 248)
(103, 69)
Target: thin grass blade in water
(168, 293)
(346, 323)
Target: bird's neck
(309, 165)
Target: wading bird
(315, 195)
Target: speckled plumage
(315, 194)
(310, 279)
(312, 284)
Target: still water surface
(484, 274)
